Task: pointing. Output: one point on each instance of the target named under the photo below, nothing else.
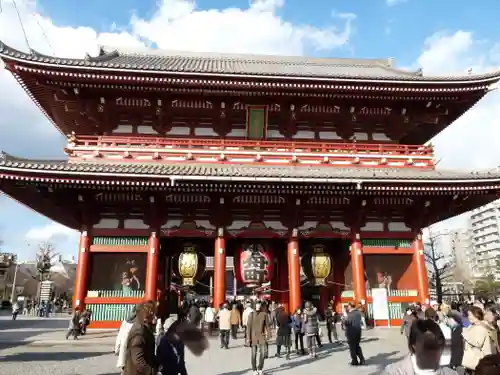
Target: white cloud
(175, 25)
(472, 141)
(391, 3)
(53, 232)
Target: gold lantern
(187, 265)
(321, 265)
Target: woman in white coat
(121, 340)
(210, 319)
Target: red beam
(118, 249)
(112, 300)
(269, 146)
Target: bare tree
(439, 265)
(45, 257)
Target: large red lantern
(253, 264)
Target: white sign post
(380, 305)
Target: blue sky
(441, 37)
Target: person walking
(353, 328)
(331, 324)
(235, 321)
(15, 310)
(210, 319)
(246, 313)
(258, 331)
(74, 325)
(283, 332)
(298, 332)
(224, 317)
(310, 327)
(121, 340)
(408, 319)
(140, 358)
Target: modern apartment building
(463, 255)
(485, 238)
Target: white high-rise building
(464, 257)
(484, 224)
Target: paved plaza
(37, 347)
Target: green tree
(489, 286)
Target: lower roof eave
(360, 184)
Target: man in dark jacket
(283, 332)
(353, 328)
(194, 315)
(258, 331)
(171, 351)
(140, 358)
(331, 324)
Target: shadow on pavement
(237, 372)
(382, 360)
(37, 324)
(305, 359)
(44, 356)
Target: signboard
(380, 304)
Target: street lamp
(14, 291)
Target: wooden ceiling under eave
(87, 119)
(40, 200)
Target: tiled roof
(236, 64)
(237, 172)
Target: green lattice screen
(386, 243)
(256, 122)
(120, 241)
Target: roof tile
(249, 171)
(239, 64)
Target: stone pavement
(381, 346)
(56, 336)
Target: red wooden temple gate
(167, 151)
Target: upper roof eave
(243, 173)
(195, 64)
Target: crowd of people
(441, 338)
(445, 337)
(256, 322)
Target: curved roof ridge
(266, 58)
(265, 66)
(5, 157)
(411, 73)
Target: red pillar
(219, 271)
(419, 258)
(339, 267)
(294, 274)
(283, 294)
(276, 281)
(82, 271)
(150, 290)
(358, 268)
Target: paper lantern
(189, 265)
(317, 265)
(253, 264)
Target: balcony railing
(224, 145)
